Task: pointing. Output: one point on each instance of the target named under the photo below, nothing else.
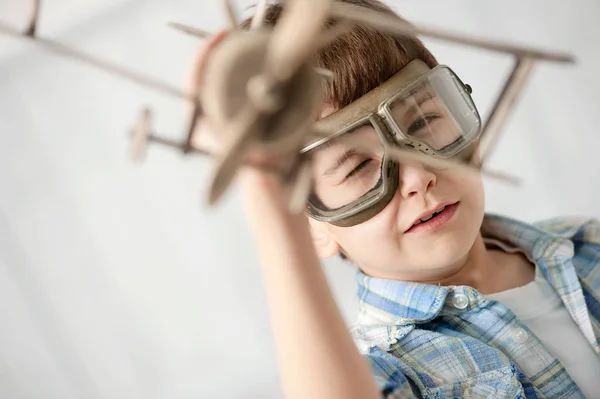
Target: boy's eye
(358, 168)
(421, 123)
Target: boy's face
(390, 245)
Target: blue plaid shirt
(432, 341)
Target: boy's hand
(317, 357)
(262, 169)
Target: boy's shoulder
(575, 228)
(583, 230)
(563, 226)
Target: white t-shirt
(541, 309)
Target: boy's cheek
(380, 228)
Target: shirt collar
(403, 302)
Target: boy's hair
(361, 59)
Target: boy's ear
(325, 245)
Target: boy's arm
(316, 354)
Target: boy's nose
(414, 179)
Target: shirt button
(520, 335)
(460, 301)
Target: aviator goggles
(427, 110)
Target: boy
(452, 302)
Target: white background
(116, 281)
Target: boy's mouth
(432, 220)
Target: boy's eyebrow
(340, 161)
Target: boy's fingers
(200, 59)
(203, 136)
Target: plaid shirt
(432, 341)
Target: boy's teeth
(427, 218)
(430, 216)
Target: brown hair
(363, 58)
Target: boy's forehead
(333, 119)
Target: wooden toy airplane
(250, 74)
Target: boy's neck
(490, 270)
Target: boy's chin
(443, 251)
(459, 234)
